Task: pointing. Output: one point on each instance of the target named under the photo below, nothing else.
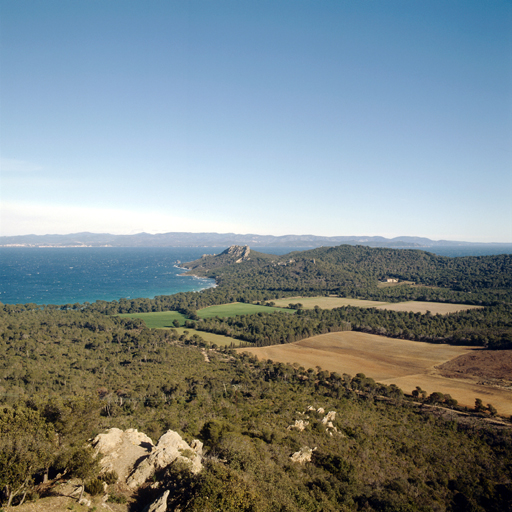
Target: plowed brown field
(391, 361)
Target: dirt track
(405, 363)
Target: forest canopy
(71, 371)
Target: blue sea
(73, 275)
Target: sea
(77, 275)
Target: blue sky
(363, 117)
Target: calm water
(71, 275)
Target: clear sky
(345, 117)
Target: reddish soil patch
(405, 363)
(495, 364)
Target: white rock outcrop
(328, 422)
(121, 450)
(303, 455)
(135, 458)
(299, 425)
(330, 417)
(160, 505)
(170, 448)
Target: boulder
(303, 455)
(330, 417)
(160, 505)
(170, 448)
(121, 450)
(299, 425)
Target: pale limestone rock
(121, 450)
(170, 448)
(299, 425)
(320, 410)
(197, 446)
(160, 505)
(303, 455)
(330, 417)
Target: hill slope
(331, 268)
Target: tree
(436, 398)
(27, 442)
(416, 392)
(449, 401)
(83, 465)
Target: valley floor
(405, 363)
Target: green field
(160, 320)
(237, 308)
(164, 319)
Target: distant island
(184, 239)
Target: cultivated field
(210, 337)
(390, 361)
(159, 320)
(441, 308)
(237, 308)
(164, 319)
(326, 302)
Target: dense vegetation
(490, 327)
(350, 272)
(75, 373)
(348, 268)
(68, 372)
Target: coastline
(75, 276)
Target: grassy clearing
(209, 337)
(159, 320)
(391, 361)
(237, 308)
(436, 308)
(326, 302)
(164, 319)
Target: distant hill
(354, 267)
(182, 239)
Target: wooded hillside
(69, 372)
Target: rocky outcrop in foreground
(170, 448)
(134, 457)
(120, 450)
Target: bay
(71, 275)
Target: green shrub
(109, 477)
(117, 498)
(94, 487)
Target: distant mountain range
(178, 239)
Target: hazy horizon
(383, 118)
(355, 237)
